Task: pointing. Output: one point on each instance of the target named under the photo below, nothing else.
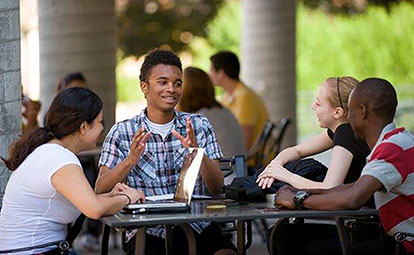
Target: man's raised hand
(138, 146)
(190, 140)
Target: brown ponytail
(68, 110)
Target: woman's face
(93, 131)
(323, 109)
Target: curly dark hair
(156, 57)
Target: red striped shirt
(396, 207)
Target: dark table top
(201, 210)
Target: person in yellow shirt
(248, 107)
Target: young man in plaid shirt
(148, 151)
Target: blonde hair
(339, 90)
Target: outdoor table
(233, 211)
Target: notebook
(184, 191)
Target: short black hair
(228, 61)
(75, 76)
(379, 96)
(156, 57)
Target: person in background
(72, 80)
(388, 175)
(248, 107)
(199, 97)
(30, 112)
(47, 189)
(348, 153)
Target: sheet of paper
(159, 197)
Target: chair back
(268, 144)
(236, 164)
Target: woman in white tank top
(47, 188)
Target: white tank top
(33, 212)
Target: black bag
(246, 189)
(309, 168)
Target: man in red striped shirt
(389, 173)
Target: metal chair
(267, 145)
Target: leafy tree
(172, 24)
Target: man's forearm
(108, 178)
(212, 175)
(348, 196)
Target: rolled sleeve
(206, 138)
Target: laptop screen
(188, 175)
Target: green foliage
(144, 25)
(376, 43)
(379, 42)
(223, 34)
(127, 83)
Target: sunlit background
(360, 38)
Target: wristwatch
(299, 197)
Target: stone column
(10, 94)
(78, 35)
(268, 56)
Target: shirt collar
(388, 128)
(230, 99)
(179, 121)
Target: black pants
(324, 239)
(208, 242)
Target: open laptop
(184, 190)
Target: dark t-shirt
(344, 136)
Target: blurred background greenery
(333, 38)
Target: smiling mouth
(169, 99)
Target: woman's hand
(136, 196)
(138, 146)
(272, 172)
(190, 140)
(118, 189)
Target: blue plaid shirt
(157, 171)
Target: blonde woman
(348, 154)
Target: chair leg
(140, 241)
(343, 236)
(271, 237)
(189, 233)
(105, 239)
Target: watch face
(301, 194)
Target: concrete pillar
(268, 56)
(78, 35)
(29, 25)
(10, 94)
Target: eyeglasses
(339, 93)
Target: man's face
(163, 87)
(214, 75)
(355, 117)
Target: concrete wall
(10, 95)
(78, 35)
(268, 56)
